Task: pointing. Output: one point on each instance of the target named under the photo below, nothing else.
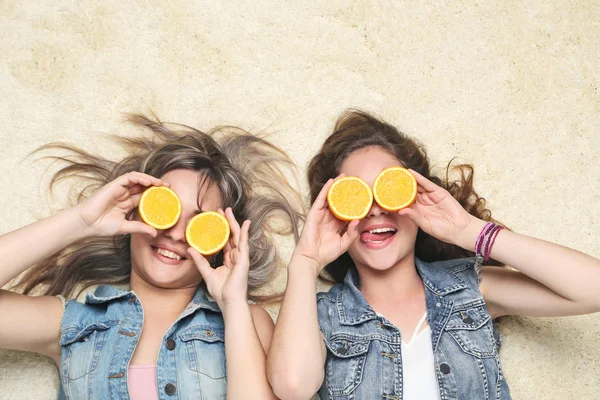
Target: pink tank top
(141, 381)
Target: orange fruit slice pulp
(395, 188)
(159, 207)
(207, 232)
(350, 198)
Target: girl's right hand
(105, 212)
(324, 237)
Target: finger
(234, 227)
(201, 263)
(153, 180)
(227, 254)
(136, 199)
(137, 227)
(243, 244)
(413, 214)
(321, 200)
(133, 181)
(350, 235)
(423, 182)
(136, 189)
(143, 179)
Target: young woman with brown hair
(411, 316)
(183, 328)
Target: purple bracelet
(481, 237)
(485, 240)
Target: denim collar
(353, 308)
(109, 293)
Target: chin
(378, 263)
(169, 278)
(384, 259)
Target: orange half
(350, 198)
(395, 188)
(207, 232)
(159, 207)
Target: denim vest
(363, 349)
(98, 339)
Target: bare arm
(295, 363)
(297, 355)
(33, 323)
(38, 241)
(247, 328)
(552, 280)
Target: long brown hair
(249, 171)
(357, 129)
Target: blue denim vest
(363, 349)
(98, 339)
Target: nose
(376, 210)
(177, 231)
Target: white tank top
(418, 366)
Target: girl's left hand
(229, 282)
(436, 212)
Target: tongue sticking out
(376, 237)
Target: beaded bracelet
(485, 240)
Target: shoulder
(95, 313)
(465, 270)
(327, 304)
(331, 295)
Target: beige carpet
(511, 87)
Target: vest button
(445, 368)
(170, 389)
(468, 320)
(170, 344)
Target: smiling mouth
(377, 235)
(167, 253)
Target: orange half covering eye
(349, 198)
(159, 207)
(395, 188)
(207, 232)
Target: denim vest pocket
(345, 363)
(83, 346)
(205, 349)
(471, 329)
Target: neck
(158, 300)
(396, 285)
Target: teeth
(382, 230)
(168, 254)
(374, 241)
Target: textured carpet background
(511, 87)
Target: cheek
(136, 246)
(354, 249)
